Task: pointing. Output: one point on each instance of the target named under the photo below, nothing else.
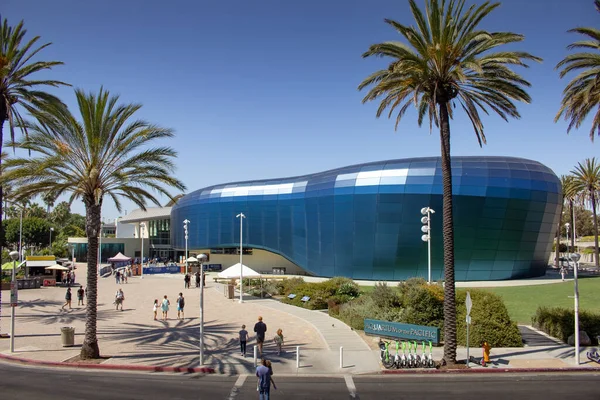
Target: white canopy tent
(57, 267)
(233, 272)
(192, 259)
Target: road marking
(236, 387)
(351, 387)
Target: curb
(117, 367)
(486, 370)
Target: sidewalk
(132, 338)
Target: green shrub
(332, 292)
(559, 322)
(287, 286)
(385, 296)
(423, 304)
(489, 321)
(354, 313)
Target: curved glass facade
(364, 221)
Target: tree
(448, 59)
(106, 154)
(17, 89)
(61, 214)
(35, 210)
(582, 95)
(586, 183)
(49, 199)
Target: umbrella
(192, 259)
(57, 267)
(7, 266)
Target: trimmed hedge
(559, 322)
(489, 321)
(328, 294)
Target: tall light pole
(185, 229)
(241, 216)
(575, 257)
(567, 225)
(51, 230)
(100, 247)
(426, 228)
(21, 235)
(142, 226)
(13, 299)
(202, 258)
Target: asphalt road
(24, 383)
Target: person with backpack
(119, 298)
(180, 305)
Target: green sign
(402, 331)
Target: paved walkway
(132, 337)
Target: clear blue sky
(267, 89)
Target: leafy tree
(49, 199)
(447, 59)
(106, 154)
(35, 210)
(582, 94)
(77, 221)
(61, 214)
(17, 88)
(584, 222)
(587, 185)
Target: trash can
(67, 336)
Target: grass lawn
(522, 301)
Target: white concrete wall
(260, 261)
(125, 230)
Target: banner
(171, 269)
(402, 331)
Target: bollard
(341, 357)
(255, 354)
(297, 356)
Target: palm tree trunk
(90, 349)
(595, 228)
(448, 232)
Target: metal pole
(255, 354)
(142, 225)
(577, 361)
(574, 231)
(202, 313)
(341, 357)
(297, 357)
(241, 216)
(468, 358)
(12, 311)
(429, 246)
(185, 229)
(100, 250)
(21, 236)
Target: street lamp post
(567, 225)
(51, 230)
(575, 257)
(185, 229)
(100, 248)
(241, 216)
(13, 299)
(426, 228)
(202, 258)
(142, 226)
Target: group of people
(68, 278)
(260, 328)
(188, 278)
(121, 275)
(164, 306)
(81, 293)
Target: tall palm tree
(106, 154)
(586, 183)
(17, 88)
(447, 59)
(582, 95)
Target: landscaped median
(92, 364)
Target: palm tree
(448, 59)
(582, 95)
(106, 154)
(16, 86)
(174, 200)
(586, 183)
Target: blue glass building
(364, 221)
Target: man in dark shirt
(260, 328)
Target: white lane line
(350, 385)
(236, 387)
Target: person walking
(73, 277)
(198, 278)
(562, 273)
(165, 308)
(67, 299)
(155, 308)
(80, 294)
(243, 333)
(260, 328)
(125, 275)
(180, 305)
(278, 340)
(186, 281)
(119, 299)
(118, 277)
(263, 373)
